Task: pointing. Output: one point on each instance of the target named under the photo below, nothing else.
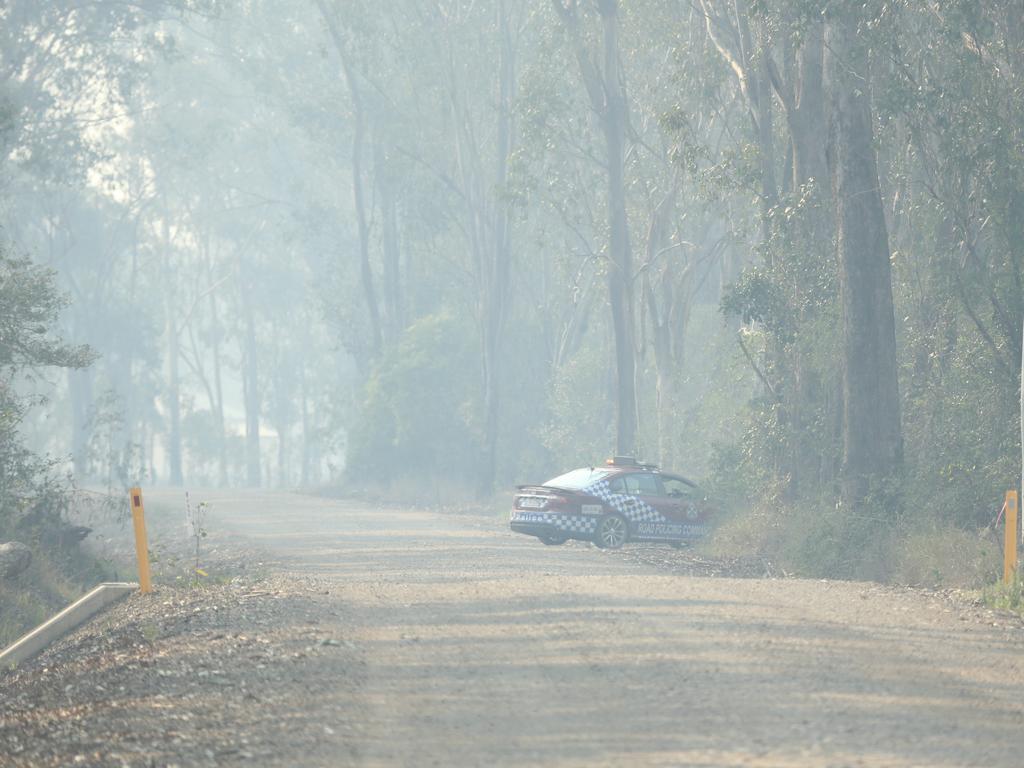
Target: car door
(684, 504)
(630, 494)
(653, 511)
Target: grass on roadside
(53, 580)
(823, 541)
(1006, 597)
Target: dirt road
(412, 638)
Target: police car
(624, 500)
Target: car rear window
(578, 478)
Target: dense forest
(434, 248)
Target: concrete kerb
(71, 617)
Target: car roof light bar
(628, 461)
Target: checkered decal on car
(572, 523)
(632, 508)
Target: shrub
(418, 419)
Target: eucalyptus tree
(872, 433)
(359, 119)
(209, 234)
(30, 303)
(60, 70)
(949, 97)
(681, 238)
(774, 52)
(440, 111)
(600, 76)
(58, 62)
(563, 182)
(481, 173)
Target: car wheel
(553, 541)
(612, 532)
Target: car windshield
(578, 478)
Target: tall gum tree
(800, 88)
(872, 435)
(359, 118)
(796, 221)
(481, 174)
(608, 100)
(495, 284)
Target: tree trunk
(394, 316)
(218, 389)
(808, 124)
(801, 90)
(358, 137)
(173, 379)
(666, 378)
(282, 454)
(365, 272)
(806, 114)
(872, 437)
(250, 390)
(173, 399)
(608, 100)
(496, 269)
(620, 270)
(80, 395)
(668, 313)
(305, 475)
(766, 147)
(222, 442)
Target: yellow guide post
(141, 546)
(1010, 538)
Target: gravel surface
(333, 633)
(216, 676)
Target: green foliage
(961, 432)
(935, 554)
(757, 298)
(581, 427)
(29, 304)
(418, 419)
(813, 538)
(55, 578)
(1006, 597)
(949, 113)
(34, 498)
(822, 539)
(107, 454)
